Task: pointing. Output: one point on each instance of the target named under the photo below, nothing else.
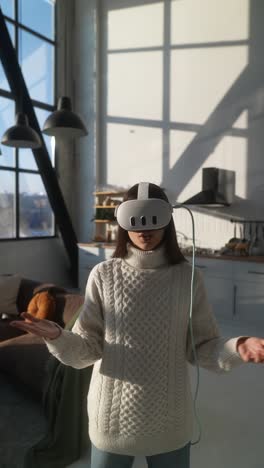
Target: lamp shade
(21, 135)
(63, 122)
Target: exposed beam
(21, 95)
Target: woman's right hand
(39, 327)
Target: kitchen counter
(237, 258)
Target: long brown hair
(172, 249)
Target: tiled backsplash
(210, 232)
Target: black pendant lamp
(21, 135)
(64, 123)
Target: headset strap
(143, 191)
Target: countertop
(235, 258)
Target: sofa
(23, 356)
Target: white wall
(39, 259)
(180, 88)
(85, 98)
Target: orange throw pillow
(42, 306)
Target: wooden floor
(231, 410)
(22, 424)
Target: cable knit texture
(134, 328)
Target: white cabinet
(221, 295)
(215, 268)
(218, 276)
(235, 290)
(249, 301)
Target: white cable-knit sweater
(134, 328)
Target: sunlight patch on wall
(132, 27)
(134, 154)
(200, 78)
(179, 141)
(135, 85)
(200, 21)
(241, 121)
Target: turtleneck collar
(146, 259)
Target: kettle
(257, 245)
(242, 246)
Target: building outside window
(25, 211)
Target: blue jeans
(177, 459)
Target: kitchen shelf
(105, 221)
(110, 194)
(105, 206)
(106, 229)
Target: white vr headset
(144, 213)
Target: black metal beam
(21, 95)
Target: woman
(134, 328)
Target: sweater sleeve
(83, 345)
(213, 352)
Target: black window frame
(36, 104)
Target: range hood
(218, 186)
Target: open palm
(39, 327)
(251, 349)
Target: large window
(25, 211)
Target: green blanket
(65, 405)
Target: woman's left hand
(251, 349)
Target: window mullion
(16, 150)
(19, 184)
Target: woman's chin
(146, 246)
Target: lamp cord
(65, 53)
